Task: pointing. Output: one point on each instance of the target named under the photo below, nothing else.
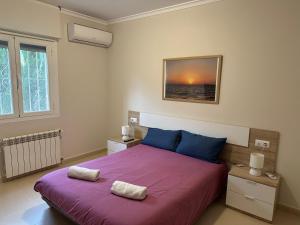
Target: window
(6, 100)
(28, 77)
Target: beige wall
(258, 39)
(27, 16)
(83, 96)
(260, 42)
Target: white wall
(82, 86)
(260, 42)
(28, 16)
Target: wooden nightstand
(117, 144)
(256, 196)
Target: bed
(180, 188)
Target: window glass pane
(34, 75)
(6, 98)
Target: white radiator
(24, 154)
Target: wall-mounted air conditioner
(90, 36)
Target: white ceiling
(112, 9)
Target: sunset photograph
(193, 79)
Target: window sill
(28, 118)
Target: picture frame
(192, 79)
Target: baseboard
(4, 180)
(98, 151)
(289, 208)
(86, 154)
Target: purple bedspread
(179, 188)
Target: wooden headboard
(233, 153)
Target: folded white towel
(129, 190)
(83, 173)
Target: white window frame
(14, 43)
(12, 63)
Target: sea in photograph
(191, 92)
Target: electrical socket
(262, 144)
(133, 120)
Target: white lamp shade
(257, 160)
(125, 130)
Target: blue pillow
(166, 139)
(200, 147)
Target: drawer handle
(249, 197)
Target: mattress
(179, 189)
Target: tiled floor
(20, 205)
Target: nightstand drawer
(250, 188)
(113, 147)
(250, 205)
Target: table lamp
(126, 133)
(256, 164)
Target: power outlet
(133, 120)
(262, 144)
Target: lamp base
(127, 138)
(255, 172)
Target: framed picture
(192, 79)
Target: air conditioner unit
(90, 36)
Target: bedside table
(117, 144)
(256, 196)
